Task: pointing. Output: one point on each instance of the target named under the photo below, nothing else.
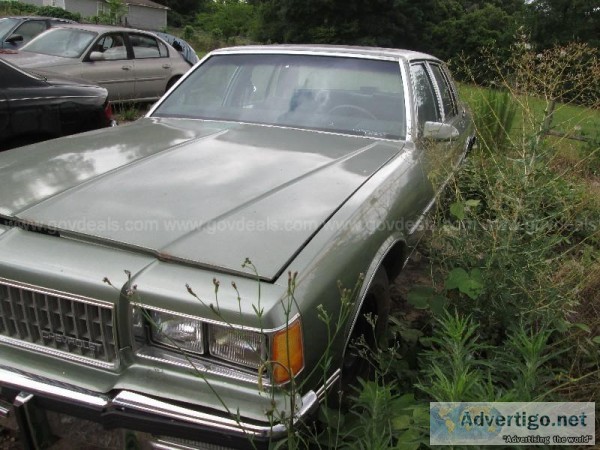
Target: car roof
(349, 50)
(101, 28)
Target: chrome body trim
(26, 99)
(50, 389)
(197, 364)
(322, 391)
(4, 410)
(218, 322)
(59, 353)
(56, 353)
(132, 402)
(46, 291)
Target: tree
(227, 18)
(183, 12)
(562, 21)
(116, 10)
(469, 31)
(379, 22)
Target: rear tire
(171, 82)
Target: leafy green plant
(454, 370)
(526, 363)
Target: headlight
(283, 350)
(178, 332)
(247, 348)
(137, 321)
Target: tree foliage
(227, 18)
(445, 28)
(554, 22)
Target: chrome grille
(68, 326)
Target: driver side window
(111, 46)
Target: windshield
(65, 42)
(339, 94)
(6, 25)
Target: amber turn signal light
(287, 352)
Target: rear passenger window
(162, 48)
(448, 103)
(144, 46)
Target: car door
(152, 65)
(114, 69)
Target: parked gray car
(16, 31)
(130, 64)
(172, 277)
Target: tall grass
(514, 254)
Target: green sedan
(179, 277)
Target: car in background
(185, 49)
(133, 65)
(16, 31)
(181, 276)
(40, 106)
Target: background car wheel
(171, 82)
(365, 336)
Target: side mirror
(439, 131)
(14, 38)
(96, 56)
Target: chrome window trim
(324, 52)
(408, 130)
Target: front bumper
(142, 413)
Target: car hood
(204, 193)
(30, 60)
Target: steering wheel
(355, 111)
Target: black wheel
(364, 336)
(171, 82)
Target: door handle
(126, 67)
(166, 66)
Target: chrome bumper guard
(141, 408)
